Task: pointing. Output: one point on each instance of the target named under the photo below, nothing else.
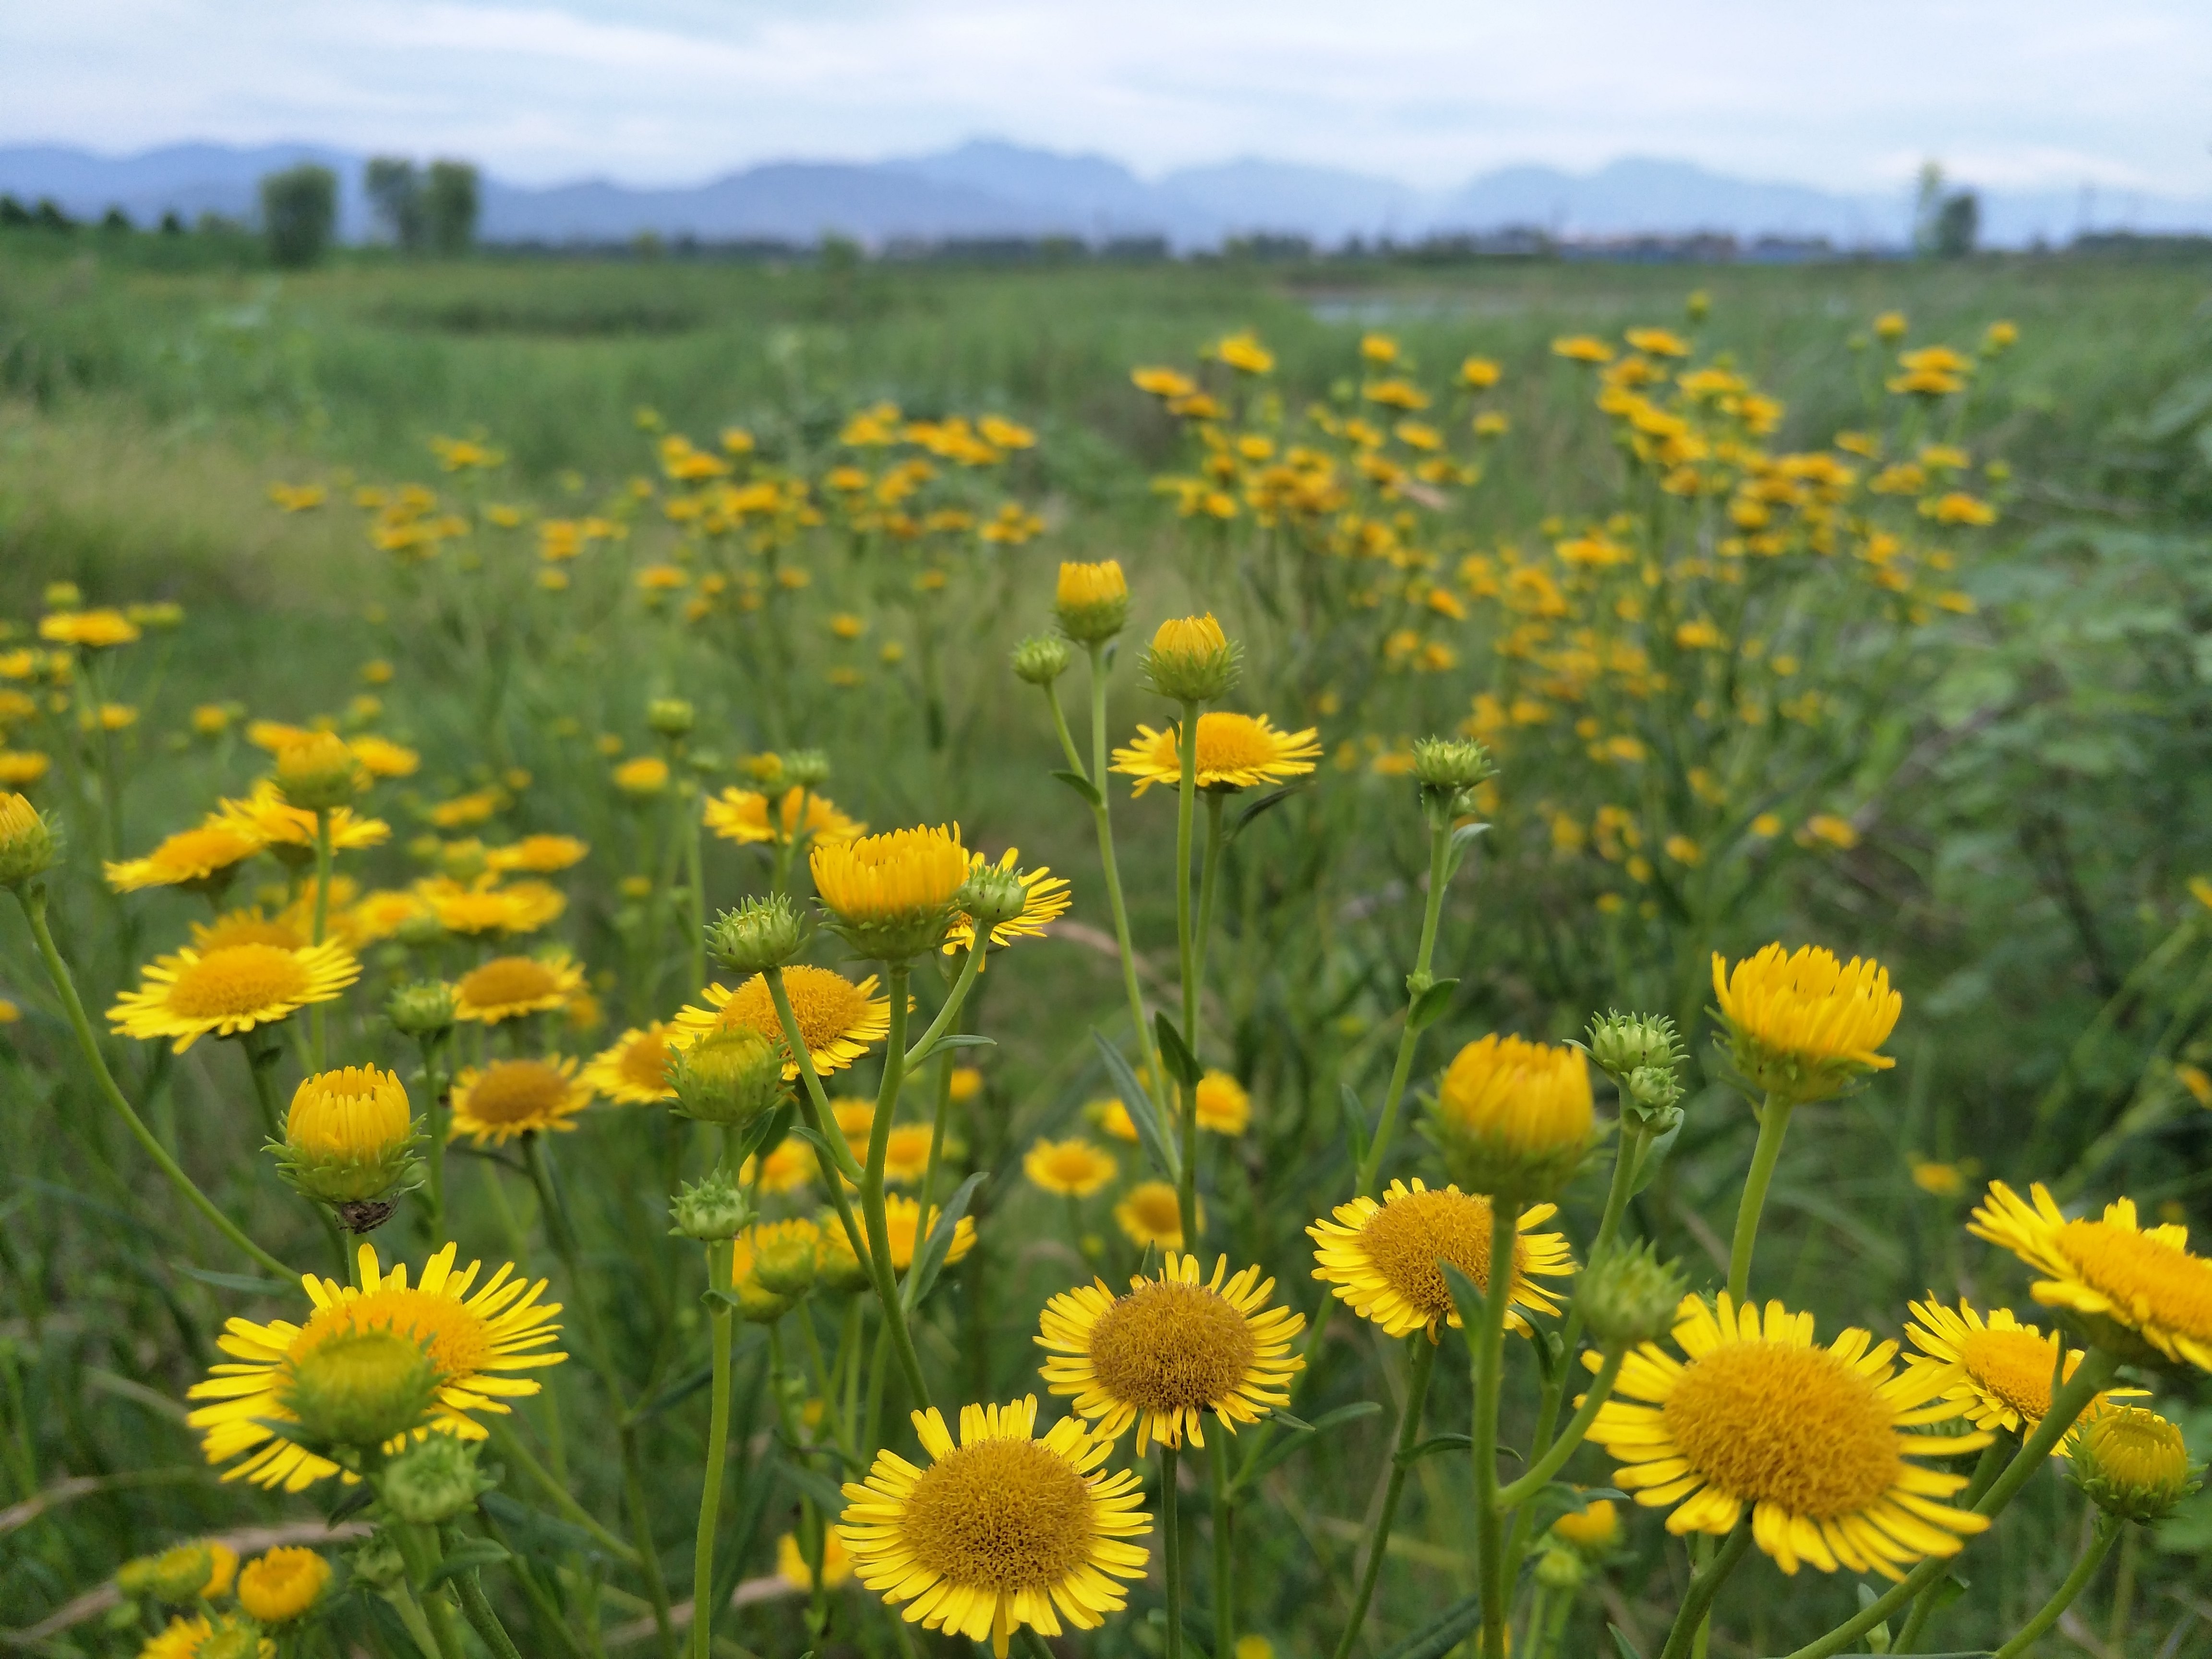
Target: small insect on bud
(432, 1480)
(422, 1009)
(1191, 659)
(319, 773)
(805, 768)
(709, 1210)
(728, 1077)
(1630, 1297)
(760, 933)
(26, 841)
(1042, 659)
(672, 717)
(1092, 601)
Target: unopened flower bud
(1621, 1043)
(1450, 763)
(2132, 1464)
(318, 772)
(181, 1576)
(1191, 659)
(1092, 602)
(807, 768)
(1649, 1097)
(432, 1480)
(1629, 1296)
(709, 1210)
(377, 1563)
(760, 933)
(1513, 1118)
(349, 1139)
(26, 841)
(421, 931)
(728, 1076)
(361, 1389)
(231, 1638)
(1559, 1570)
(672, 717)
(464, 860)
(1042, 659)
(422, 1009)
(991, 896)
(784, 1257)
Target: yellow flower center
(1768, 1423)
(243, 979)
(826, 1005)
(2014, 1366)
(1000, 1515)
(517, 1091)
(283, 1584)
(2150, 1279)
(504, 982)
(644, 1061)
(456, 1338)
(1073, 1164)
(1412, 1234)
(1232, 742)
(1156, 1209)
(1169, 1348)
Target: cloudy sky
(2034, 92)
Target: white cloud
(2038, 93)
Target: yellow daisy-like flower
(1802, 1022)
(191, 858)
(1000, 1531)
(1046, 899)
(378, 916)
(282, 1584)
(634, 1071)
(1808, 1436)
(1235, 752)
(2143, 1279)
(382, 758)
(1224, 1107)
(185, 1638)
(484, 907)
(791, 1562)
(838, 1019)
(898, 884)
(472, 1342)
(507, 988)
(786, 1169)
(1997, 1370)
(1171, 1350)
(246, 927)
(1381, 1260)
(902, 1219)
(906, 1153)
(285, 829)
(511, 1097)
(538, 855)
(1514, 1116)
(95, 630)
(742, 816)
(191, 995)
(1151, 1213)
(1074, 1169)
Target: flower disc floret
(1000, 1531)
(226, 991)
(1801, 1024)
(1806, 1437)
(1383, 1260)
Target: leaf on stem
(1137, 1100)
(1450, 1628)
(931, 1261)
(839, 1154)
(470, 1555)
(1300, 1433)
(1622, 1645)
(1429, 1007)
(946, 1043)
(1355, 1125)
(1082, 786)
(1267, 802)
(1175, 1056)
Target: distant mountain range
(988, 190)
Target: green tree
(395, 196)
(450, 201)
(299, 210)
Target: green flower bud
(760, 933)
(319, 773)
(231, 1638)
(1450, 763)
(808, 768)
(1191, 659)
(1621, 1043)
(1042, 659)
(26, 841)
(1649, 1098)
(783, 1258)
(672, 717)
(420, 932)
(423, 1009)
(709, 1210)
(377, 1563)
(728, 1077)
(1559, 1570)
(361, 1389)
(433, 1479)
(179, 1577)
(2132, 1464)
(991, 896)
(1630, 1296)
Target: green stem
(871, 1190)
(1489, 1344)
(718, 1448)
(437, 1611)
(695, 877)
(315, 1038)
(1773, 1123)
(1986, 1468)
(951, 1012)
(1409, 1429)
(1223, 1503)
(1171, 1549)
(1691, 1619)
(437, 1157)
(814, 1107)
(1540, 1472)
(2067, 1405)
(1386, 1127)
(1100, 813)
(476, 1606)
(2108, 1532)
(1066, 737)
(641, 1526)
(34, 901)
(511, 1450)
(1186, 959)
(928, 1194)
(1209, 868)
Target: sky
(2030, 94)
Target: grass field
(1946, 705)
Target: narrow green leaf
(1082, 786)
(1300, 1433)
(1174, 1054)
(1355, 1125)
(767, 1134)
(251, 1283)
(931, 1261)
(1430, 1005)
(1450, 1628)
(1622, 1645)
(1138, 1102)
(947, 1043)
(1438, 1443)
(810, 1483)
(839, 1155)
(1267, 802)
(470, 1556)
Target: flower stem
(33, 900)
(695, 878)
(872, 1191)
(1224, 1501)
(719, 1264)
(1773, 1123)
(1187, 958)
(1424, 1361)
(1171, 1548)
(1540, 1472)
(1386, 1127)
(1102, 815)
(814, 1107)
(1489, 1344)
(1691, 1617)
(476, 1606)
(2108, 1532)
(315, 1037)
(437, 1158)
(1986, 1468)
(414, 1547)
